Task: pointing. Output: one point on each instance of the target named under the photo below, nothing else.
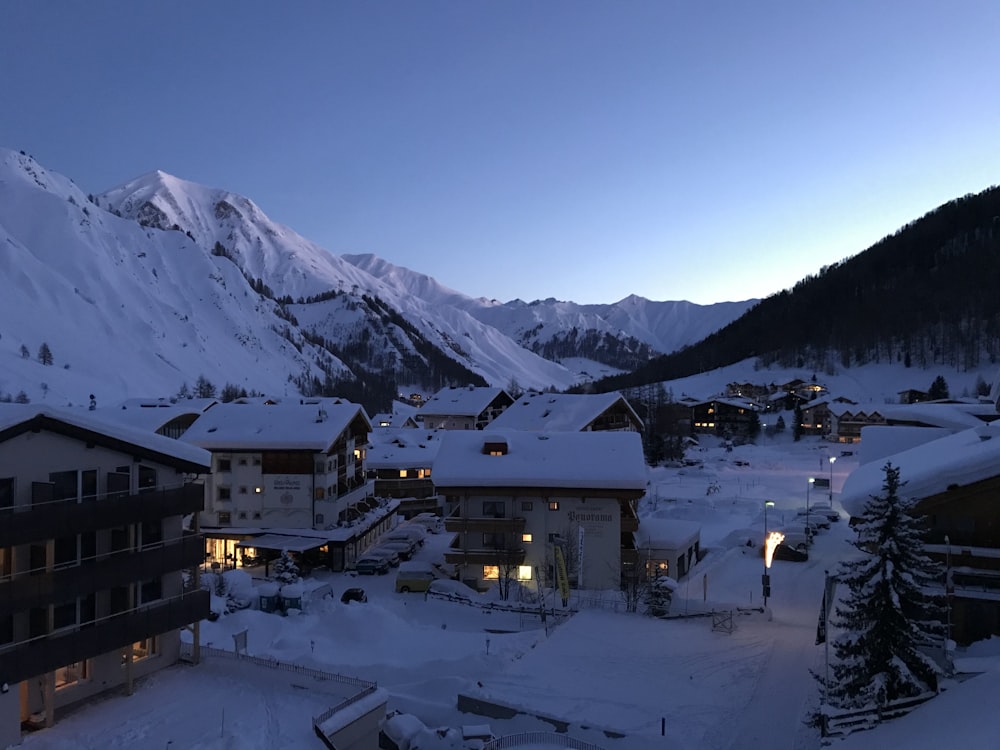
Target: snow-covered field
(600, 670)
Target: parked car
(792, 554)
(369, 565)
(353, 595)
(408, 532)
(414, 578)
(796, 539)
(391, 556)
(815, 518)
(826, 511)
(404, 550)
(429, 522)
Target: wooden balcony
(455, 556)
(25, 524)
(22, 592)
(21, 661)
(484, 525)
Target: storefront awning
(280, 543)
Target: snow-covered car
(372, 566)
(450, 589)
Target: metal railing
(539, 738)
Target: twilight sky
(574, 149)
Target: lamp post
(768, 551)
(809, 485)
(833, 460)
(949, 590)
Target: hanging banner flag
(561, 575)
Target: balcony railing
(24, 524)
(484, 524)
(481, 556)
(28, 590)
(19, 661)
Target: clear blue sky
(581, 150)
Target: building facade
(93, 555)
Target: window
(493, 540)
(491, 572)
(143, 649)
(64, 615)
(72, 674)
(225, 518)
(243, 490)
(493, 508)
(225, 464)
(526, 538)
(151, 590)
(6, 629)
(258, 490)
(6, 561)
(67, 552)
(553, 505)
(255, 461)
(225, 493)
(256, 515)
(6, 492)
(120, 539)
(243, 462)
(151, 532)
(524, 572)
(242, 515)
(527, 505)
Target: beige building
(513, 497)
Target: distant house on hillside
(569, 412)
(848, 420)
(465, 408)
(398, 421)
(816, 417)
(734, 417)
(955, 481)
(913, 396)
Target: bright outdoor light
(773, 540)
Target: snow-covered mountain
(143, 289)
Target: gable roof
(290, 426)
(469, 401)
(559, 412)
(87, 426)
(929, 469)
(402, 448)
(578, 460)
(153, 413)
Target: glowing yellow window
(525, 537)
(524, 572)
(491, 572)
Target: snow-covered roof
(385, 419)
(292, 426)
(956, 416)
(152, 413)
(402, 448)
(594, 460)
(664, 533)
(929, 469)
(559, 412)
(13, 416)
(468, 401)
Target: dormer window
(495, 448)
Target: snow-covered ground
(600, 670)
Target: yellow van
(413, 578)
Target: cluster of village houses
(108, 514)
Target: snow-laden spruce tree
(285, 569)
(887, 617)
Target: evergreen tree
(44, 354)
(886, 616)
(25, 354)
(797, 427)
(780, 424)
(285, 569)
(21, 398)
(183, 392)
(939, 389)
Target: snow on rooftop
(402, 448)
(556, 412)
(463, 401)
(598, 460)
(929, 469)
(12, 415)
(295, 426)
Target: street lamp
(809, 485)
(833, 460)
(770, 542)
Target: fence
(866, 718)
(539, 738)
(364, 685)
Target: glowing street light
(771, 541)
(833, 460)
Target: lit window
(258, 490)
(143, 649)
(491, 572)
(71, 674)
(553, 505)
(525, 537)
(524, 572)
(402, 473)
